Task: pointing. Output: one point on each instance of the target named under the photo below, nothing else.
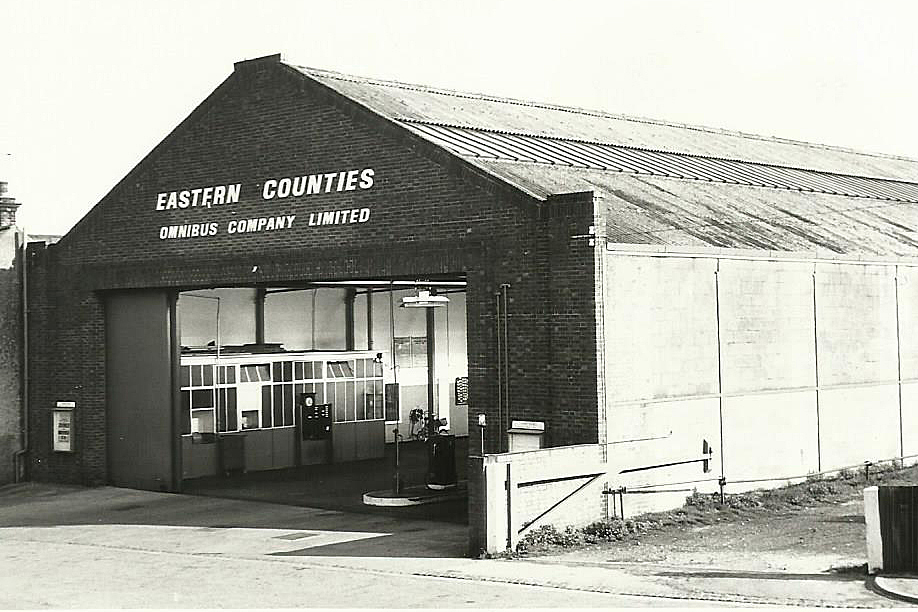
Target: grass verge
(707, 509)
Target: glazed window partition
(212, 401)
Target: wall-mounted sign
(63, 427)
(200, 196)
(309, 184)
(271, 189)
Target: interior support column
(260, 293)
(349, 297)
(369, 319)
(431, 374)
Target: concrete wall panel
(910, 421)
(857, 424)
(766, 325)
(769, 436)
(662, 432)
(908, 316)
(856, 321)
(660, 327)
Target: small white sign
(63, 430)
(66, 404)
(528, 425)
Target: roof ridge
(592, 112)
(649, 150)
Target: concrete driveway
(69, 547)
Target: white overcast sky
(88, 88)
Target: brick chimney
(8, 208)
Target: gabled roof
(665, 183)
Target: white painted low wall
(512, 493)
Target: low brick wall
(512, 493)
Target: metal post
(506, 342)
(500, 387)
(431, 373)
(397, 477)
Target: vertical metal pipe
(392, 333)
(816, 362)
(175, 414)
(506, 325)
(899, 367)
(500, 387)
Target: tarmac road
(67, 547)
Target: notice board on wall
(63, 427)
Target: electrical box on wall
(62, 432)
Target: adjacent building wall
(786, 367)
(10, 352)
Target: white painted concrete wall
(789, 394)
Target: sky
(88, 88)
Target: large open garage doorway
(318, 393)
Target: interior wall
(314, 319)
(197, 311)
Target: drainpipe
(19, 456)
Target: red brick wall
(428, 216)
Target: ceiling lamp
(424, 299)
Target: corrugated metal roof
(439, 106)
(663, 183)
(508, 146)
(645, 209)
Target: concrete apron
(147, 537)
(343, 486)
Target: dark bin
(441, 461)
(232, 453)
(899, 528)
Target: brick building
(11, 240)
(633, 284)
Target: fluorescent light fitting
(424, 300)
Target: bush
(548, 535)
(604, 531)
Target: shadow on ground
(316, 498)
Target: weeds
(707, 508)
